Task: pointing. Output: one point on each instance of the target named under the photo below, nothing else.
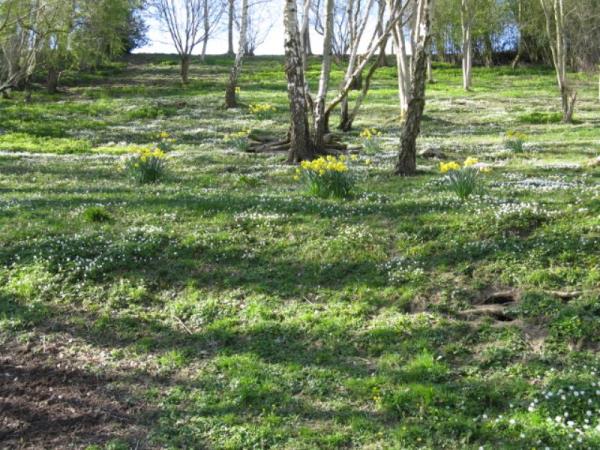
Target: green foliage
(147, 166)
(22, 142)
(537, 117)
(150, 112)
(464, 182)
(97, 214)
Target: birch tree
(300, 147)
(230, 94)
(411, 128)
(467, 17)
(25, 26)
(230, 24)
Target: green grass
(244, 314)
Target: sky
(160, 41)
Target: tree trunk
(230, 51)
(300, 143)
(53, 79)
(403, 69)
(568, 99)
(319, 107)
(206, 31)
(555, 29)
(488, 51)
(345, 124)
(467, 43)
(430, 79)
(407, 158)
(185, 68)
(230, 94)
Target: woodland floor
(224, 308)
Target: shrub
(326, 177)
(238, 140)
(463, 180)
(97, 214)
(514, 141)
(371, 140)
(146, 166)
(262, 110)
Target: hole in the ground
(502, 317)
(500, 298)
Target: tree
(189, 23)
(230, 23)
(24, 27)
(407, 157)
(554, 11)
(260, 23)
(300, 144)
(230, 94)
(467, 16)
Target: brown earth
(46, 404)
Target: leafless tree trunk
(230, 94)
(184, 70)
(21, 48)
(466, 18)
(300, 143)
(515, 61)
(554, 10)
(357, 19)
(320, 123)
(430, 79)
(206, 31)
(407, 158)
(230, 22)
(53, 79)
(402, 59)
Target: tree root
(270, 144)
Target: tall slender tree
(411, 128)
(230, 91)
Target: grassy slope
(243, 314)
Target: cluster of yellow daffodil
(165, 141)
(327, 176)
(515, 141)
(261, 108)
(370, 133)
(512, 134)
(147, 153)
(323, 165)
(146, 164)
(452, 166)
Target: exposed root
(264, 143)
